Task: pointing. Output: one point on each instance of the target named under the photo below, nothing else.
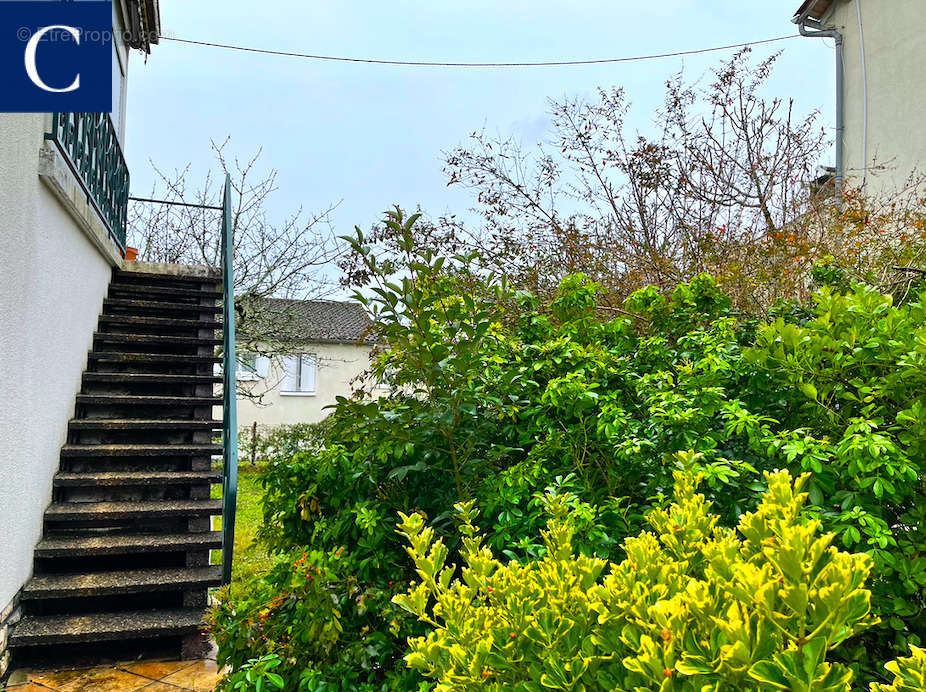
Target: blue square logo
(56, 56)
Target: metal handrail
(90, 146)
(229, 390)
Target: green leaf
(768, 673)
(809, 390)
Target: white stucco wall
(895, 55)
(338, 366)
(51, 292)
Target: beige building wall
(339, 367)
(895, 57)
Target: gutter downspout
(814, 29)
(861, 45)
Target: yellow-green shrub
(909, 673)
(693, 607)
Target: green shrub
(279, 443)
(850, 386)
(257, 675)
(909, 674)
(500, 397)
(296, 616)
(693, 606)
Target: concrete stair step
(156, 305)
(149, 378)
(122, 424)
(166, 322)
(120, 582)
(126, 544)
(155, 339)
(140, 450)
(155, 358)
(117, 289)
(133, 275)
(117, 466)
(144, 624)
(66, 479)
(149, 509)
(130, 400)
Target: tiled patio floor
(150, 676)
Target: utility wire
(174, 204)
(418, 63)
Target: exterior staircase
(125, 555)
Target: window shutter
(307, 376)
(263, 366)
(291, 374)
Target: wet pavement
(150, 676)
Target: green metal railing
(90, 145)
(229, 389)
(229, 379)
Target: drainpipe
(814, 29)
(861, 47)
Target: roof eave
(304, 343)
(340, 342)
(153, 10)
(144, 24)
(815, 9)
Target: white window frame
(384, 382)
(121, 55)
(246, 370)
(251, 367)
(306, 386)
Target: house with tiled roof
(879, 52)
(327, 355)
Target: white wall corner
(8, 617)
(58, 177)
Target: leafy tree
(726, 169)
(727, 184)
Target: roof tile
(324, 321)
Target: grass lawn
(250, 557)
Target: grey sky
(373, 135)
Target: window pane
(291, 374)
(247, 363)
(307, 375)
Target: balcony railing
(229, 388)
(90, 145)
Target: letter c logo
(31, 68)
